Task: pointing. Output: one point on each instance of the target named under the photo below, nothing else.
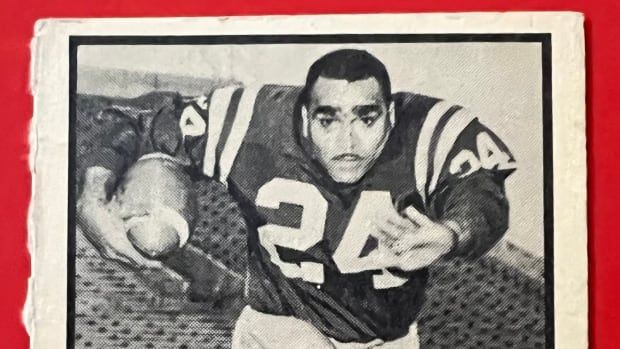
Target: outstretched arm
(465, 210)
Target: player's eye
(326, 122)
(369, 120)
(368, 114)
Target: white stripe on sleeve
(245, 111)
(455, 126)
(424, 142)
(218, 107)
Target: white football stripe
(457, 123)
(238, 131)
(424, 142)
(218, 107)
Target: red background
(602, 42)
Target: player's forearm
(476, 209)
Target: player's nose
(347, 138)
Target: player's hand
(103, 226)
(413, 241)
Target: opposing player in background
(349, 193)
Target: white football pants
(256, 330)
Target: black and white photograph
(340, 190)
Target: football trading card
(334, 181)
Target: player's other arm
(203, 133)
(466, 191)
(117, 148)
(126, 130)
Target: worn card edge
(569, 23)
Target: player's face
(348, 124)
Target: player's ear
(304, 121)
(392, 114)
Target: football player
(349, 193)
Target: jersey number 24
(347, 254)
(311, 229)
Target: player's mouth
(347, 158)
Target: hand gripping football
(157, 203)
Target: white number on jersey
(191, 123)
(490, 158)
(311, 229)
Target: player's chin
(347, 172)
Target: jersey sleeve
(230, 110)
(466, 168)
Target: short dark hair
(350, 65)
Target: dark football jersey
(310, 253)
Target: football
(154, 238)
(157, 204)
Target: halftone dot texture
(220, 229)
(481, 304)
